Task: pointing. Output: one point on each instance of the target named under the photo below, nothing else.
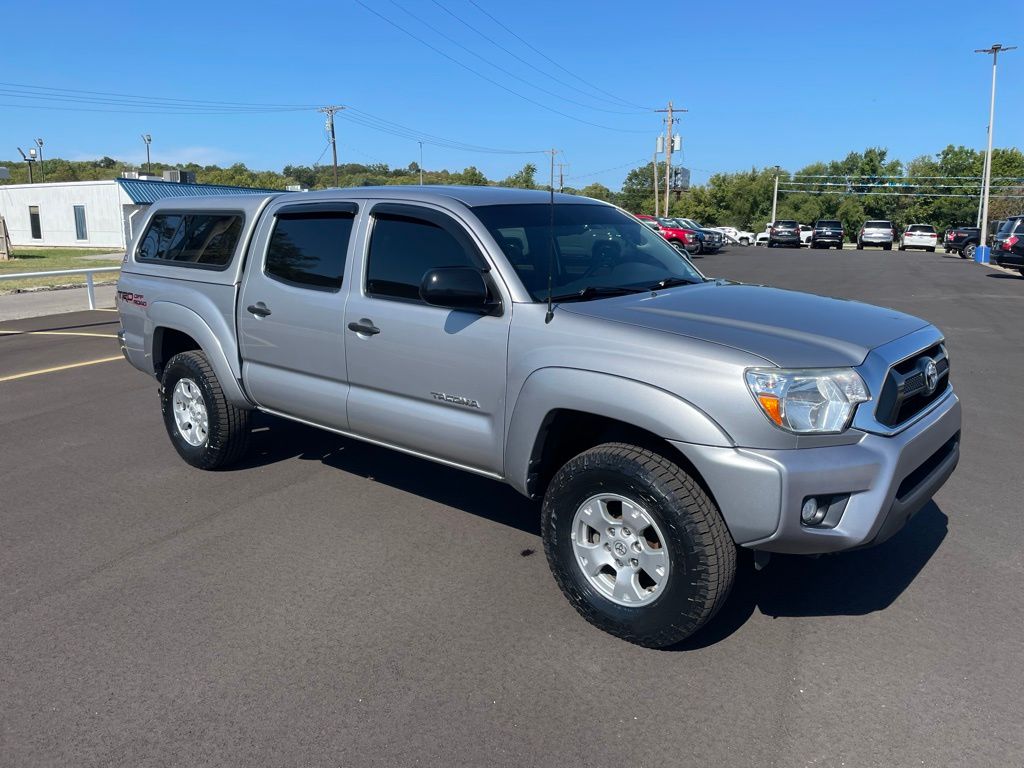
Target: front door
(291, 309)
(428, 379)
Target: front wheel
(635, 544)
(206, 430)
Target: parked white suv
(920, 236)
(806, 231)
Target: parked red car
(683, 239)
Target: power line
(534, 67)
(643, 162)
(511, 74)
(489, 79)
(548, 58)
(152, 98)
(372, 122)
(896, 194)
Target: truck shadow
(847, 584)
(276, 440)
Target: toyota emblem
(931, 377)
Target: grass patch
(45, 259)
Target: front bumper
(877, 484)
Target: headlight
(813, 400)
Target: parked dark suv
(784, 232)
(1011, 245)
(828, 233)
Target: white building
(89, 214)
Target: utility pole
(669, 122)
(561, 175)
(986, 181)
(42, 164)
(421, 163)
(147, 140)
(775, 195)
(329, 111)
(29, 159)
(654, 167)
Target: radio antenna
(551, 240)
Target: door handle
(365, 327)
(259, 309)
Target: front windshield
(598, 249)
(689, 224)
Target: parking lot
(331, 603)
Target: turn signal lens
(772, 407)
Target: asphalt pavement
(330, 603)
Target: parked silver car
(877, 232)
(560, 346)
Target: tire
(860, 246)
(903, 247)
(699, 552)
(839, 247)
(931, 250)
(887, 247)
(967, 252)
(225, 439)
(745, 241)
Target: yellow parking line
(59, 333)
(59, 368)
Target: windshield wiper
(671, 282)
(594, 291)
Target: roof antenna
(551, 240)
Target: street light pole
(29, 159)
(775, 195)
(42, 165)
(986, 181)
(421, 163)
(147, 140)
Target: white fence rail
(88, 272)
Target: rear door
(424, 378)
(291, 310)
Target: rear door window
(205, 240)
(308, 249)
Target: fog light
(811, 513)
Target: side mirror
(456, 288)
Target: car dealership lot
(333, 603)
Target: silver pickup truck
(558, 345)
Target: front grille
(905, 392)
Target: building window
(81, 233)
(33, 218)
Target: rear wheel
(206, 430)
(636, 545)
(860, 246)
(968, 251)
(931, 250)
(887, 247)
(903, 247)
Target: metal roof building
(90, 214)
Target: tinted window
(81, 233)
(33, 218)
(202, 239)
(785, 223)
(920, 228)
(829, 223)
(403, 249)
(878, 225)
(308, 249)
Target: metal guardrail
(88, 272)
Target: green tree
(524, 178)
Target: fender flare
(165, 314)
(549, 389)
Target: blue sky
(764, 83)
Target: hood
(787, 328)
